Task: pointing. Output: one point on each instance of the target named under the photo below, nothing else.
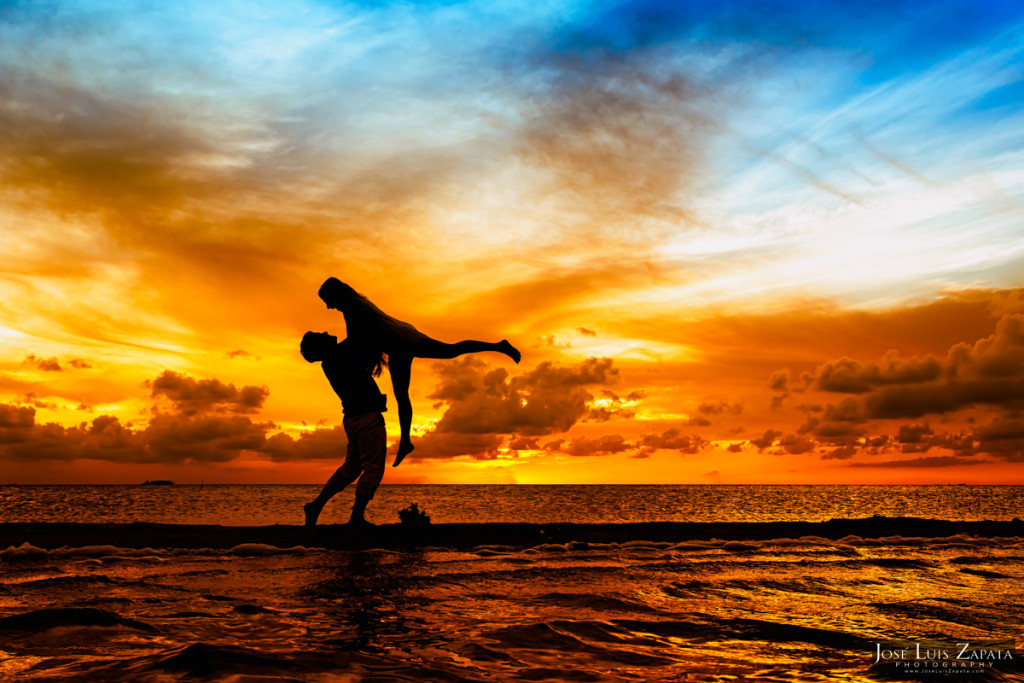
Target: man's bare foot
(404, 449)
(509, 350)
(312, 513)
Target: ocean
(259, 505)
(868, 606)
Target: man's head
(316, 346)
(336, 294)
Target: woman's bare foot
(404, 449)
(509, 350)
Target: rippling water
(242, 505)
(783, 610)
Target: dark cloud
(796, 444)
(586, 331)
(779, 381)
(841, 453)
(913, 433)
(673, 440)
(437, 444)
(483, 407)
(1002, 438)
(614, 407)
(766, 439)
(987, 372)
(53, 364)
(16, 417)
(831, 431)
(32, 399)
(934, 461)
(45, 364)
(319, 444)
(602, 445)
(189, 396)
(849, 376)
(525, 443)
(720, 406)
(545, 400)
(196, 420)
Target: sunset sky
(736, 242)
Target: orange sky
(798, 271)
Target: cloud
(52, 364)
(483, 407)
(1002, 438)
(16, 417)
(189, 396)
(849, 376)
(674, 440)
(796, 444)
(618, 138)
(437, 444)
(611, 406)
(934, 461)
(988, 372)
(319, 444)
(779, 381)
(44, 364)
(841, 453)
(545, 400)
(602, 445)
(586, 331)
(719, 406)
(192, 420)
(910, 434)
(766, 439)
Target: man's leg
(372, 443)
(342, 477)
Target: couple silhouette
(374, 340)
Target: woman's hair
(375, 358)
(334, 288)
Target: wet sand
(464, 536)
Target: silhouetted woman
(401, 342)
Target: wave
(41, 620)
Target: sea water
(784, 609)
(259, 505)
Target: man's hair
(310, 347)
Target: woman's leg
(431, 348)
(400, 368)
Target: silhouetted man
(350, 368)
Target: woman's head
(336, 294)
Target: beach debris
(414, 518)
